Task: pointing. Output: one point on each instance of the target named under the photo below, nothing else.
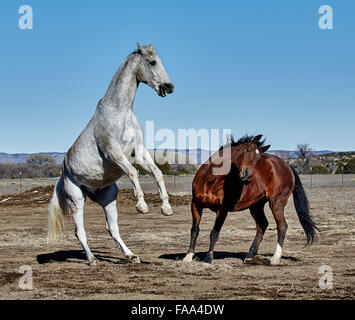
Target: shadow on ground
(75, 255)
(219, 255)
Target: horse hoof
(274, 262)
(142, 208)
(248, 260)
(208, 260)
(167, 210)
(188, 257)
(135, 259)
(93, 263)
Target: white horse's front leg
(132, 173)
(144, 159)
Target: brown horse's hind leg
(196, 211)
(257, 212)
(214, 235)
(277, 208)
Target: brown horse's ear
(264, 148)
(257, 138)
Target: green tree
(320, 170)
(350, 166)
(140, 169)
(340, 168)
(40, 159)
(182, 170)
(165, 168)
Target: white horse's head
(151, 71)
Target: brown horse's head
(248, 152)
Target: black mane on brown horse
(246, 138)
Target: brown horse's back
(276, 177)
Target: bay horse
(106, 149)
(247, 179)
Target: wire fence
(328, 180)
(176, 184)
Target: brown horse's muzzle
(245, 174)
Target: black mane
(232, 143)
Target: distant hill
(292, 154)
(21, 157)
(201, 155)
(198, 156)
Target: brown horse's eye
(248, 150)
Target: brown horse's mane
(232, 143)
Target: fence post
(20, 181)
(174, 177)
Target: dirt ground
(61, 272)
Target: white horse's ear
(140, 48)
(150, 47)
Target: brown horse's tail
(302, 208)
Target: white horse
(112, 140)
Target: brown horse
(240, 176)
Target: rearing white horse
(112, 140)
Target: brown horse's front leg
(258, 214)
(196, 211)
(277, 208)
(214, 235)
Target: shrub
(350, 166)
(29, 170)
(182, 170)
(165, 168)
(40, 159)
(340, 168)
(140, 169)
(320, 170)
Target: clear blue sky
(252, 66)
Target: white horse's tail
(56, 213)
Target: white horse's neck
(123, 86)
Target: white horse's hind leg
(75, 202)
(144, 159)
(112, 228)
(107, 199)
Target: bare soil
(62, 272)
